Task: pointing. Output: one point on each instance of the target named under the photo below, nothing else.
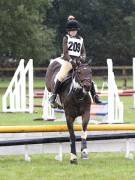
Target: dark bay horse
(75, 99)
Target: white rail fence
(48, 112)
(19, 94)
(115, 106)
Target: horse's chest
(77, 107)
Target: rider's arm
(66, 57)
(83, 54)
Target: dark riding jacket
(66, 55)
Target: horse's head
(83, 76)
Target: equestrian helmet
(72, 25)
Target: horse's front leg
(85, 120)
(73, 158)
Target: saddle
(68, 77)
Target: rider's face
(72, 33)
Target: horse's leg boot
(84, 154)
(54, 95)
(94, 95)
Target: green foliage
(103, 26)
(35, 29)
(22, 34)
(131, 21)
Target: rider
(73, 51)
(93, 89)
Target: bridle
(80, 81)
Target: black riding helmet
(72, 25)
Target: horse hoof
(84, 155)
(74, 161)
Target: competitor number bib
(74, 46)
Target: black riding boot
(94, 95)
(54, 95)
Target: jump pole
(63, 128)
(49, 140)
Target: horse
(75, 99)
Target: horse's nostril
(87, 87)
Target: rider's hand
(82, 59)
(73, 62)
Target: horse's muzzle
(87, 87)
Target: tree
(103, 26)
(22, 33)
(131, 21)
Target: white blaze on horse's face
(84, 91)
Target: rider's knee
(60, 77)
(68, 65)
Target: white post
(22, 90)
(115, 106)
(31, 88)
(29, 72)
(26, 154)
(58, 157)
(128, 154)
(48, 112)
(110, 95)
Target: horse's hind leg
(85, 120)
(70, 121)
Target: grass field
(100, 166)
(25, 118)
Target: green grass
(129, 112)
(22, 118)
(27, 119)
(100, 166)
(38, 83)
